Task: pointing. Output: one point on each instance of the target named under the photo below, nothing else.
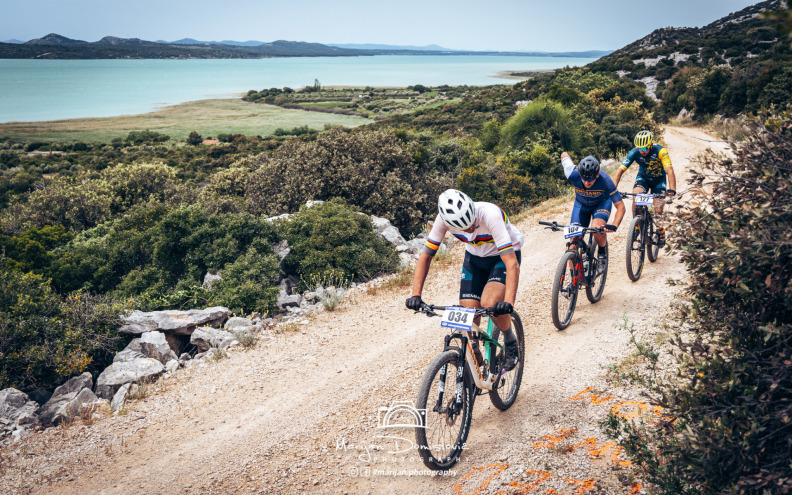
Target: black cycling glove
(670, 192)
(414, 303)
(502, 308)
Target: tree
(194, 138)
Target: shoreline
(522, 75)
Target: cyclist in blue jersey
(595, 196)
(654, 168)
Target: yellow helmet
(643, 139)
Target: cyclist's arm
(620, 209)
(617, 177)
(419, 277)
(433, 241)
(669, 169)
(512, 277)
(628, 160)
(568, 164)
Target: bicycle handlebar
(658, 195)
(428, 309)
(555, 227)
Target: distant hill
(671, 36)
(55, 46)
(13, 41)
(53, 39)
(191, 41)
(373, 46)
(739, 63)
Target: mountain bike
(579, 266)
(642, 234)
(445, 417)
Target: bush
(164, 254)
(374, 171)
(541, 119)
(333, 240)
(727, 406)
(45, 338)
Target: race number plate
(458, 317)
(644, 199)
(571, 231)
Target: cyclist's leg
(474, 278)
(659, 217)
(601, 215)
(659, 187)
(495, 290)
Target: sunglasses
(644, 149)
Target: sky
(500, 25)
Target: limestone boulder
(173, 321)
(15, 404)
(155, 346)
(118, 374)
(67, 399)
(205, 338)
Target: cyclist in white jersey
(491, 270)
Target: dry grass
(207, 117)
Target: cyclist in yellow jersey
(654, 169)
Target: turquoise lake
(37, 90)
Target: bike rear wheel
(565, 290)
(442, 436)
(653, 249)
(636, 248)
(505, 388)
(597, 286)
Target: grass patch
(207, 117)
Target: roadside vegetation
(725, 380)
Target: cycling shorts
(478, 271)
(655, 186)
(582, 214)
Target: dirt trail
(299, 413)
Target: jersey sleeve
(435, 237)
(664, 158)
(628, 160)
(569, 166)
(610, 187)
(495, 221)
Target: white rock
(118, 374)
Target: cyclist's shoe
(661, 238)
(512, 355)
(602, 264)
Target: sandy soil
(299, 413)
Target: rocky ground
(299, 412)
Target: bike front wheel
(653, 248)
(444, 429)
(565, 290)
(597, 286)
(635, 248)
(506, 386)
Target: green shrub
(334, 240)
(541, 119)
(45, 338)
(374, 171)
(728, 413)
(164, 253)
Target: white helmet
(456, 209)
